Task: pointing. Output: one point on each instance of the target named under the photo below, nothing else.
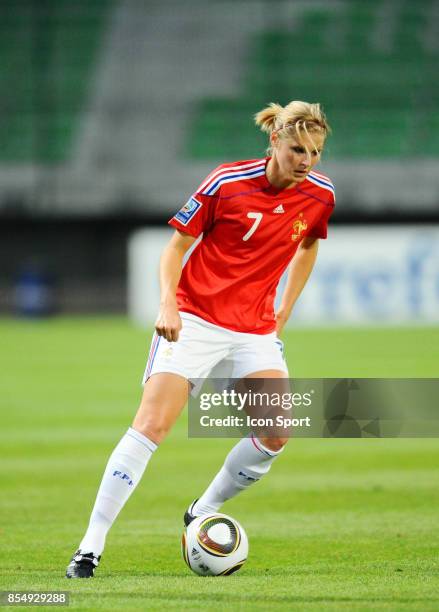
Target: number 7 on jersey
(257, 216)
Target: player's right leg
(169, 368)
(163, 399)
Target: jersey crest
(299, 226)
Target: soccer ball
(214, 545)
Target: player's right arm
(168, 323)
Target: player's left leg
(248, 461)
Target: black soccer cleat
(82, 565)
(188, 516)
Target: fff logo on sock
(123, 476)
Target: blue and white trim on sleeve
(228, 174)
(321, 180)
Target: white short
(204, 349)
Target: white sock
(124, 470)
(246, 463)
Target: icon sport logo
(188, 211)
(279, 209)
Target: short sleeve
(198, 214)
(320, 229)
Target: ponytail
(299, 115)
(267, 118)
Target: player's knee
(154, 418)
(274, 444)
(152, 424)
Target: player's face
(296, 158)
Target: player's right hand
(168, 323)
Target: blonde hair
(294, 119)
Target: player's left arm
(299, 271)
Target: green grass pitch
(337, 524)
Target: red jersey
(251, 231)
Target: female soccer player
(256, 217)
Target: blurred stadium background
(112, 111)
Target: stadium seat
(46, 53)
(373, 83)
